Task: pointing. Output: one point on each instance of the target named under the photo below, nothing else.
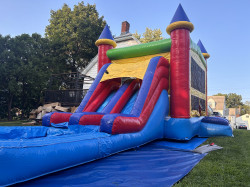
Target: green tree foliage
(73, 34)
(234, 100)
(220, 94)
(137, 36)
(6, 76)
(25, 69)
(149, 35)
(26, 62)
(245, 109)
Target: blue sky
(223, 27)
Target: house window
(247, 116)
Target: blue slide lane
(146, 83)
(128, 107)
(111, 100)
(105, 103)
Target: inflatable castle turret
(179, 30)
(203, 50)
(104, 43)
(206, 56)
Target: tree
(149, 35)
(6, 76)
(137, 36)
(245, 109)
(25, 70)
(233, 100)
(220, 94)
(73, 34)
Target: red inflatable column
(104, 43)
(179, 72)
(102, 57)
(179, 30)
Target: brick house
(218, 104)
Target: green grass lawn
(14, 123)
(229, 166)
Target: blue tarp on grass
(187, 145)
(149, 165)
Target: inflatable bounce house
(142, 93)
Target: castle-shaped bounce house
(142, 93)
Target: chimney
(125, 27)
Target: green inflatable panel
(194, 47)
(161, 46)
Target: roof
(203, 50)
(106, 34)
(219, 100)
(125, 37)
(245, 115)
(180, 21)
(106, 38)
(179, 15)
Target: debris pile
(38, 113)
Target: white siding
(126, 43)
(92, 73)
